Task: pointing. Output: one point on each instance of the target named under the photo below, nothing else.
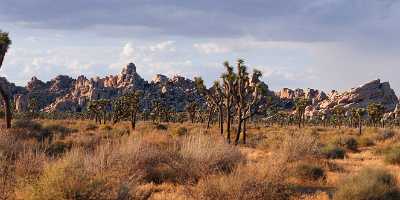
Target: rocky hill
(64, 93)
(371, 92)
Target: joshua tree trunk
(244, 131)
(360, 126)
(133, 120)
(239, 130)
(221, 121)
(209, 118)
(228, 125)
(7, 107)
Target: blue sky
(326, 44)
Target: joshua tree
(33, 106)
(301, 104)
(359, 114)
(127, 107)
(191, 110)
(247, 96)
(132, 102)
(214, 98)
(339, 113)
(375, 112)
(229, 83)
(5, 43)
(98, 109)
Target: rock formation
(64, 93)
(362, 96)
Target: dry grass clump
(247, 183)
(205, 154)
(392, 155)
(368, 184)
(298, 146)
(365, 141)
(179, 131)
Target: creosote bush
(347, 142)
(309, 172)
(368, 184)
(333, 152)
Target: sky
(324, 44)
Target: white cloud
(127, 50)
(211, 48)
(164, 46)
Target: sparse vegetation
(369, 184)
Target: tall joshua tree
(214, 100)
(229, 83)
(247, 97)
(301, 104)
(5, 43)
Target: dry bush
(392, 155)
(365, 141)
(369, 184)
(300, 146)
(346, 142)
(245, 183)
(205, 154)
(333, 152)
(310, 172)
(179, 131)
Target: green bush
(333, 152)
(309, 172)
(373, 184)
(392, 156)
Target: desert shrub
(244, 184)
(27, 129)
(58, 148)
(91, 127)
(392, 155)
(27, 124)
(66, 179)
(295, 147)
(333, 152)
(349, 143)
(309, 172)
(180, 131)
(206, 155)
(57, 129)
(106, 127)
(160, 127)
(365, 142)
(368, 184)
(385, 135)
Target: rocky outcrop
(64, 93)
(359, 97)
(84, 90)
